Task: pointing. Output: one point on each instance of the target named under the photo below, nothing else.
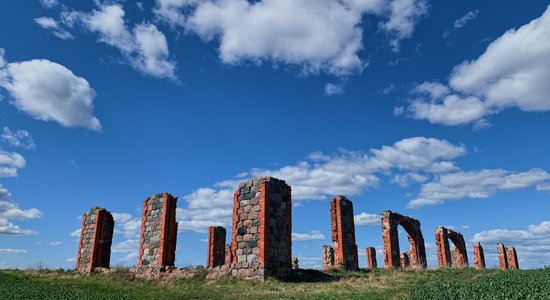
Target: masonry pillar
(228, 255)
(371, 258)
(96, 237)
(512, 256)
(417, 251)
(216, 247)
(328, 257)
(158, 233)
(295, 263)
(458, 257)
(405, 260)
(261, 242)
(479, 256)
(502, 258)
(343, 233)
(444, 258)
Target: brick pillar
(159, 230)
(295, 264)
(458, 257)
(479, 256)
(417, 249)
(502, 259)
(261, 242)
(96, 237)
(444, 258)
(228, 255)
(405, 260)
(343, 233)
(371, 258)
(216, 247)
(512, 256)
(328, 257)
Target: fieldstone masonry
(328, 257)
(479, 256)
(444, 256)
(417, 252)
(343, 233)
(261, 242)
(371, 258)
(96, 236)
(216, 247)
(502, 258)
(158, 233)
(512, 256)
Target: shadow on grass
(303, 275)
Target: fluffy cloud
(10, 163)
(464, 20)
(364, 219)
(18, 138)
(129, 248)
(311, 236)
(49, 3)
(48, 91)
(511, 73)
(53, 26)
(332, 89)
(126, 225)
(10, 210)
(404, 16)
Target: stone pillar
(444, 258)
(405, 260)
(261, 242)
(371, 258)
(158, 233)
(96, 237)
(328, 257)
(216, 247)
(343, 233)
(295, 264)
(512, 256)
(479, 256)
(502, 259)
(417, 252)
(458, 257)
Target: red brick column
(371, 258)
(417, 252)
(479, 256)
(444, 254)
(502, 258)
(444, 258)
(96, 234)
(343, 233)
(216, 247)
(512, 256)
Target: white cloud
(53, 26)
(404, 16)
(12, 251)
(56, 243)
(365, 219)
(476, 185)
(126, 225)
(313, 235)
(18, 138)
(49, 3)
(48, 91)
(333, 89)
(10, 163)
(464, 20)
(75, 233)
(130, 249)
(511, 73)
(10, 210)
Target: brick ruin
(479, 256)
(371, 258)
(228, 255)
(96, 237)
(216, 247)
(261, 242)
(390, 237)
(502, 257)
(343, 233)
(512, 256)
(405, 260)
(458, 257)
(295, 263)
(157, 247)
(328, 257)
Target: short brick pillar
(295, 263)
(479, 256)
(159, 230)
(512, 256)
(444, 255)
(371, 258)
(96, 237)
(502, 257)
(405, 260)
(390, 237)
(216, 247)
(328, 257)
(261, 241)
(228, 255)
(343, 233)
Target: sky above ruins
(434, 109)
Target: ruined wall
(417, 252)
(261, 242)
(479, 256)
(216, 247)
(502, 257)
(96, 237)
(458, 257)
(343, 233)
(328, 257)
(371, 258)
(512, 257)
(158, 233)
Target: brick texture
(444, 255)
(295, 263)
(417, 252)
(96, 236)
(405, 260)
(371, 258)
(328, 257)
(216, 247)
(502, 257)
(343, 233)
(512, 256)
(479, 256)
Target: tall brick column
(444, 255)
(343, 233)
(159, 230)
(417, 252)
(261, 242)
(96, 237)
(502, 258)
(328, 257)
(216, 247)
(512, 256)
(479, 256)
(371, 258)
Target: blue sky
(435, 110)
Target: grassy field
(379, 284)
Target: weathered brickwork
(96, 236)
(216, 247)
(158, 233)
(417, 252)
(502, 257)
(343, 233)
(371, 258)
(405, 260)
(261, 242)
(444, 256)
(228, 255)
(479, 256)
(328, 257)
(295, 263)
(512, 257)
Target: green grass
(379, 284)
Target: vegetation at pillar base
(379, 284)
